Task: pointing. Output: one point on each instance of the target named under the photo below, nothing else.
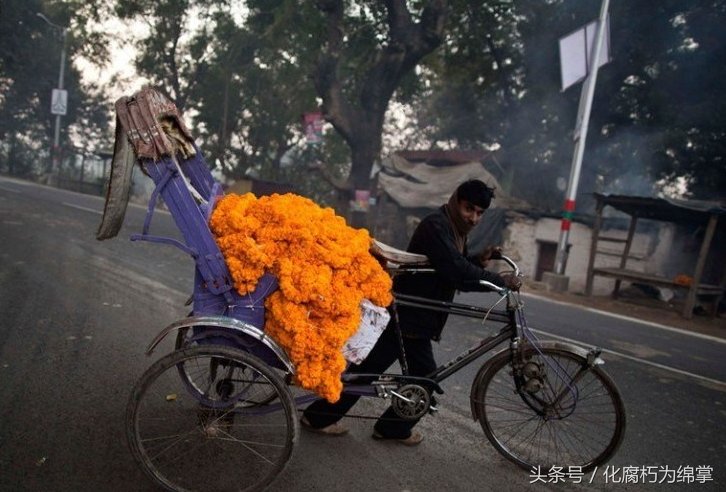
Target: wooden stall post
(691, 298)
(593, 245)
(626, 251)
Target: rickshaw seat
(397, 256)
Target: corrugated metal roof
(664, 209)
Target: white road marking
(18, 181)
(61, 190)
(634, 320)
(100, 212)
(85, 209)
(10, 190)
(635, 359)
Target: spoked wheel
(552, 410)
(258, 392)
(207, 436)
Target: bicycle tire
(184, 443)
(584, 429)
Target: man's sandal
(413, 440)
(336, 429)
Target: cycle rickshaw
(220, 413)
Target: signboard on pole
(576, 50)
(594, 45)
(313, 127)
(59, 102)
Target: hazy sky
(119, 76)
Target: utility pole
(60, 97)
(583, 120)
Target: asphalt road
(76, 315)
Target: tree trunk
(365, 150)
(359, 119)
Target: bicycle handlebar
(495, 287)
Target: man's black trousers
(420, 359)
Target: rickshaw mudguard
(590, 356)
(237, 326)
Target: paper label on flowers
(374, 320)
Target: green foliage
(30, 52)
(657, 110)
(245, 72)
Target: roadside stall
(702, 216)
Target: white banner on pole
(59, 102)
(576, 50)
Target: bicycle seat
(397, 256)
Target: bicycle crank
(410, 402)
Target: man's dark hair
(476, 192)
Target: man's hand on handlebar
(512, 281)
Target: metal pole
(56, 134)
(583, 120)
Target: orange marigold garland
(324, 270)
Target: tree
(174, 54)
(250, 103)
(244, 101)
(355, 101)
(487, 77)
(29, 63)
(652, 121)
(357, 55)
(669, 112)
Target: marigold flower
(324, 270)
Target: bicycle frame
(508, 332)
(370, 385)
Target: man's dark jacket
(434, 237)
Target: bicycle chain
(362, 417)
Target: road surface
(76, 315)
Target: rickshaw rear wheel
(183, 342)
(206, 436)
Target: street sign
(576, 49)
(59, 102)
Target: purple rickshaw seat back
(214, 293)
(191, 221)
(164, 148)
(249, 308)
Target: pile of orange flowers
(324, 270)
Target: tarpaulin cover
(414, 185)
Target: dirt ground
(631, 304)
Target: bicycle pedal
(433, 409)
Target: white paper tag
(374, 320)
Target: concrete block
(555, 282)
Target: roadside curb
(710, 334)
